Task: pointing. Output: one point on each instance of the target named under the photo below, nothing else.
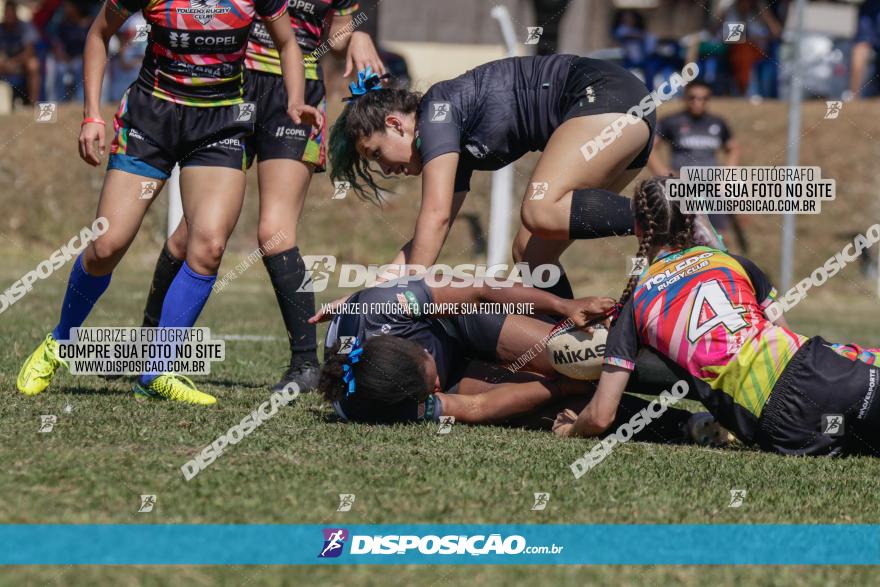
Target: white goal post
(502, 180)
(175, 204)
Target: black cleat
(305, 375)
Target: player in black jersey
(695, 138)
(410, 351)
(415, 313)
(566, 106)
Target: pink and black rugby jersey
(309, 19)
(195, 54)
(703, 309)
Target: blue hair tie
(367, 81)
(347, 368)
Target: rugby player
(287, 155)
(695, 136)
(414, 350)
(566, 106)
(707, 311)
(185, 108)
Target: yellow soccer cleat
(38, 370)
(174, 387)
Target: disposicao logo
(334, 541)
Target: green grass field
(109, 449)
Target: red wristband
(95, 120)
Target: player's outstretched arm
(581, 312)
(599, 414)
(440, 206)
(499, 403)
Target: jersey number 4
(711, 308)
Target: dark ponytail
(361, 117)
(661, 221)
(390, 370)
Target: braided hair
(661, 221)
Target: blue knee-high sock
(83, 290)
(183, 303)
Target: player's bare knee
(273, 236)
(535, 219)
(205, 254)
(177, 245)
(102, 256)
(105, 250)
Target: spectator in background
(637, 43)
(705, 48)
(750, 59)
(695, 136)
(67, 49)
(548, 15)
(126, 61)
(43, 15)
(867, 38)
(766, 72)
(18, 60)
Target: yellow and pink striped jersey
(310, 20)
(196, 48)
(703, 309)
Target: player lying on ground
(705, 310)
(185, 108)
(287, 156)
(491, 116)
(414, 366)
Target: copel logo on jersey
(204, 11)
(261, 33)
(205, 42)
(334, 541)
(301, 6)
(178, 40)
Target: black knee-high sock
(597, 213)
(561, 288)
(287, 272)
(167, 266)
